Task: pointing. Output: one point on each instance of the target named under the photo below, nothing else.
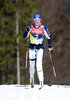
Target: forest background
(15, 15)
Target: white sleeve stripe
(46, 34)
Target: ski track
(18, 92)
(31, 93)
(22, 95)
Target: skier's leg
(32, 71)
(39, 66)
(32, 66)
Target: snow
(18, 92)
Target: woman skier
(36, 32)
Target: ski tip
(41, 87)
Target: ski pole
(53, 67)
(26, 65)
(26, 58)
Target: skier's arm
(46, 32)
(49, 42)
(25, 35)
(49, 39)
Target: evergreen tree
(8, 36)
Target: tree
(8, 36)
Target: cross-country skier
(36, 32)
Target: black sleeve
(49, 42)
(25, 34)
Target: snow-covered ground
(18, 92)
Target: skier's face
(37, 21)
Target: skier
(36, 32)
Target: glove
(28, 29)
(50, 50)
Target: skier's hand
(28, 29)
(50, 49)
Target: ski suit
(36, 49)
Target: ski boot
(32, 83)
(41, 85)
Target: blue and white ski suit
(36, 49)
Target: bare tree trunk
(18, 63)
